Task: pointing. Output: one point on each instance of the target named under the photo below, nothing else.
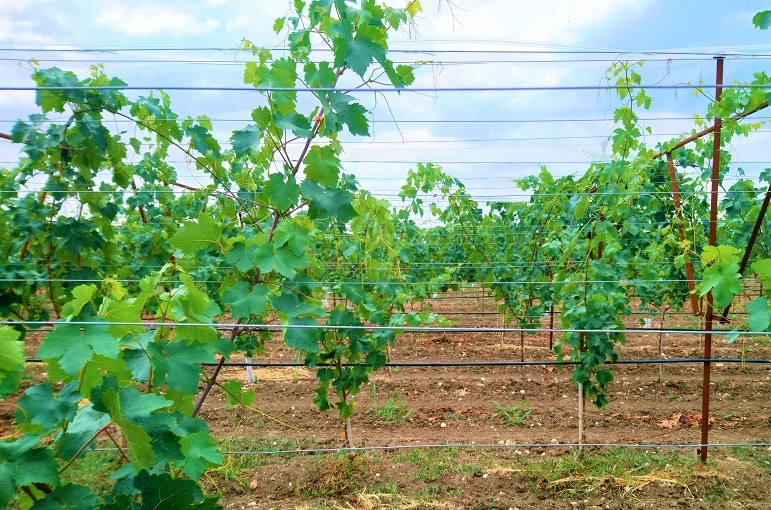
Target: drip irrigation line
(499, 363)
(535, 446)
(464, 364)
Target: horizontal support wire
(406, 329)
(69, 48)
(567, 88)
(387, 448)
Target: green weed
(394, 410)
(512, 415)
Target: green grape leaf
(200, 454)
(303, 339)
(162, 491)
(72, 345)
(322, 165)
(131, 411)
(581, 207)
(294, 235)
(762, 20)
(245, 303)
(292, 311)
(325, 202)
(178, 364)
(604, 377)
(719, 254)
(245, 140)
(82, 295)
(342, 110)
(763, 269)
(202, 140)
(401, 75)
(123, 311)
(759, 315)
(242, 256)
(70, 497)
(40, 411)
(196, 302)
(11, 360)
(281, 191)
(22, 464)
(723, 280)
(194, 235)
(358, 53)
(97, 367)
(82, 428)
(322, 76)
(236, 396)
(279, 259)
(297, 123)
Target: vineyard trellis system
(142, 285)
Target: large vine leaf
(73, 345)
(194, 235)
(723, 280)
(178, 363)
(200, 453)
(162, 491)
(322, 165)
(244, 302)
(132, 411)
(40, 411)
(71, 497)
(23, 463)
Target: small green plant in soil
(512, 415)
(394, 410)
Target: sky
(486, 138)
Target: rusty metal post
(708, 315)
(681, 220)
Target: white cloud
(23, 31)
(510, 23)
(154, 19)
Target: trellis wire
(437, 364)
(386, 448)
(406, 329)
